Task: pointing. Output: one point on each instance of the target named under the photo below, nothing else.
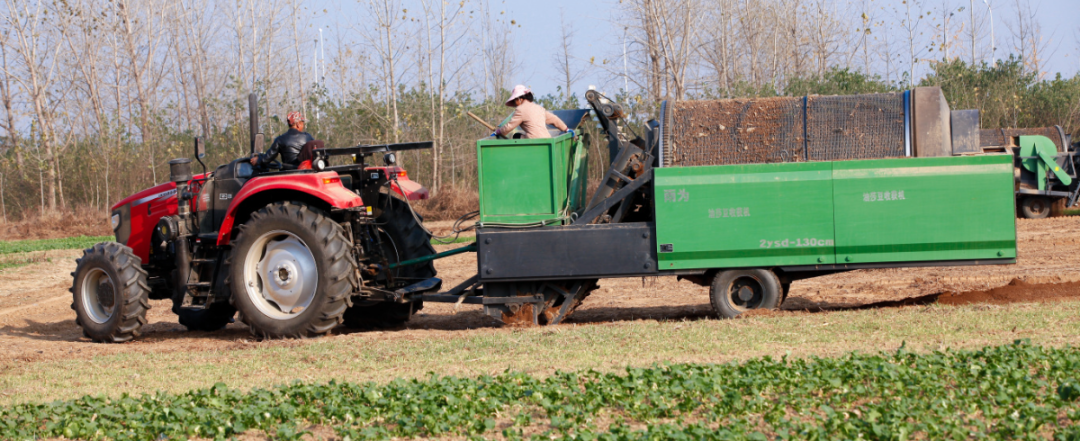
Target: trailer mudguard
(325, 186)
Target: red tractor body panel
(325, 186)
(400, 183)
(146, 208)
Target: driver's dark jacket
(288, 145)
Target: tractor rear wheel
(291, 272)
(403, 239)
(734, 292)
(110, 293)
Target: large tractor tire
(110, 293)
(213, 318)
(734, 292)
(403, 239)
(291, 272)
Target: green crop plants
(1017, 391)
(67, 243)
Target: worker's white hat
(518, 92)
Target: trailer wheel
(1035, 207)
(734, 292)
(292, 272)
(110, 293)
(403, 239)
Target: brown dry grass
(448, 203)
(81, 221)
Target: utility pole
(971, 9)
(322, 49)
(993, 41)
(626, 82)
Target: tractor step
(199, 285)
(203, 260)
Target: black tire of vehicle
(755, 289)
(122, 281)
(214, 318)
(413, 242)
(1035, 207)
(336, 267)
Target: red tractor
(294, 252)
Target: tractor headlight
(115, 221)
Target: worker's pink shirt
(533, 120)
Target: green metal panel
(924, 209)
(889, 210)
(523, 180)
(744, 215)
(1041, 154)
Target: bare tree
(388, 16)
(1028, 41)
(563, 61)
(39, 52)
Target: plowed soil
(37, 323)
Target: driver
(288, 144)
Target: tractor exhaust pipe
(180, 173)
(253, 111)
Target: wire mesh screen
(1003, 137)
(867, 126)
(764, 130)
(735, 131)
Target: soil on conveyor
(37, 323)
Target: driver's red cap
(295, 117)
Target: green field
(67, 243)
(1017, 391)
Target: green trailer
(746, 231)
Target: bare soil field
(37, 324)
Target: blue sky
(598, 35)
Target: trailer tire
(734, 292)
(307, 245)
(1035, 207)
(110, 294)
(409, 241)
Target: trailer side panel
(750, 215)
(844, 212)
(923, 209)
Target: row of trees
(97, 95)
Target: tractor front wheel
(291, 272)
(110, 293)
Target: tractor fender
(325, 187)
(401, 184)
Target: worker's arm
(265, 158)
(550, 118)
(515, 121)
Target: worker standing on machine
(532, 117)
(288, 145)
